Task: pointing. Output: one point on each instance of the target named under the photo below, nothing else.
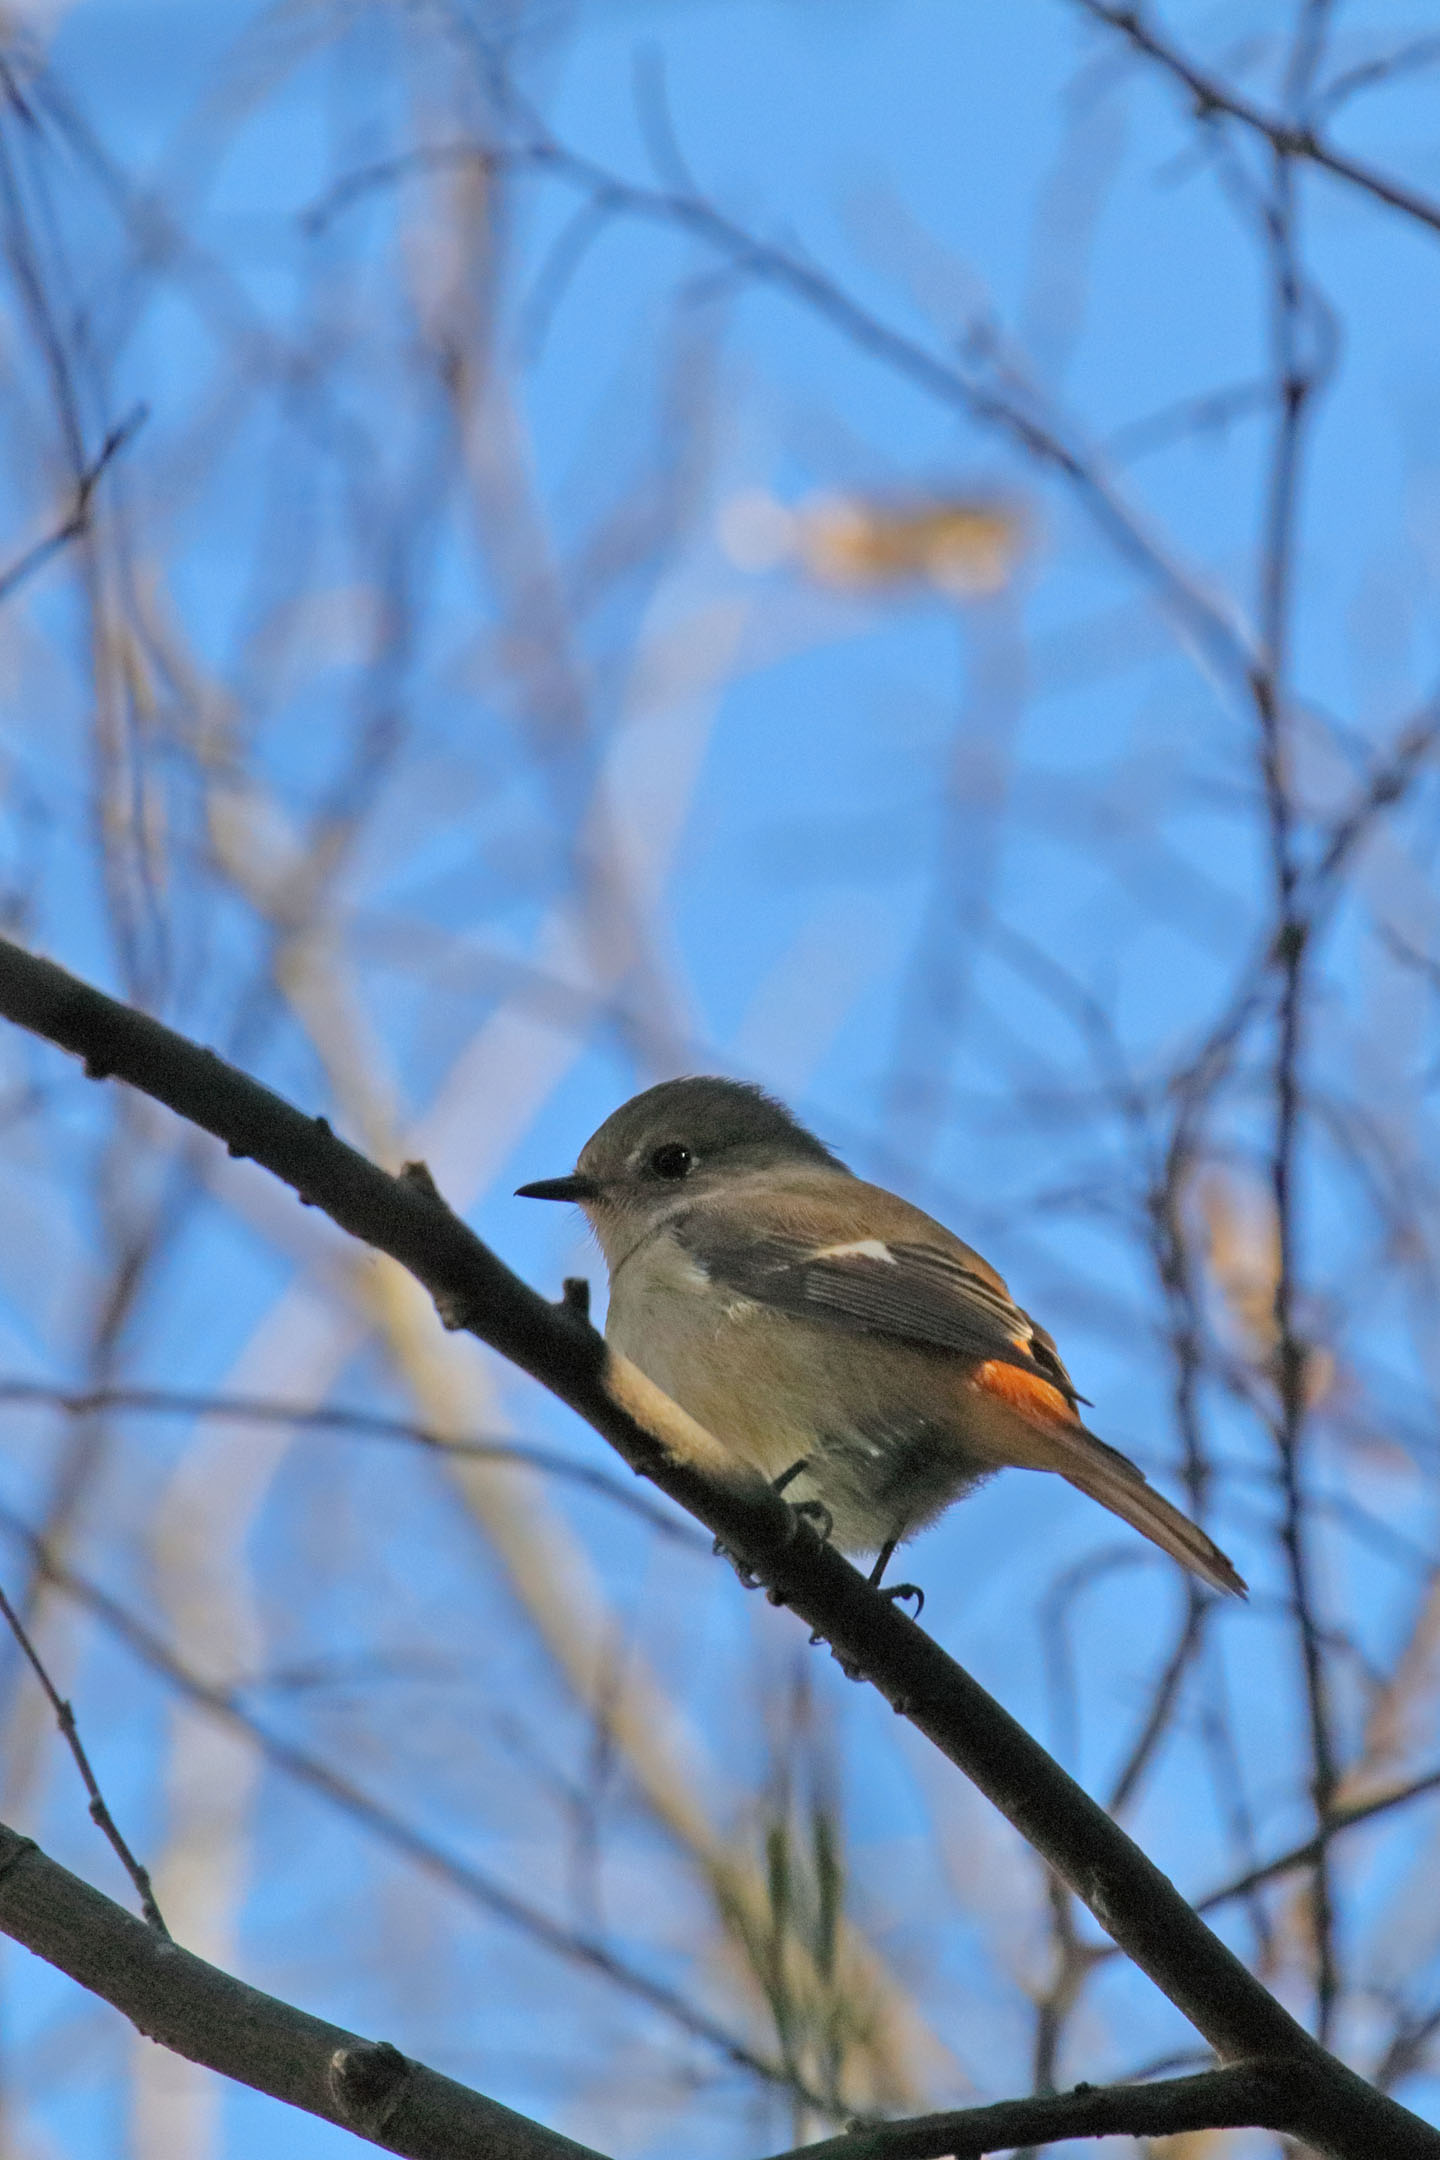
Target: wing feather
(902, 1288)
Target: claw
(748, 1581)
(901, 1592)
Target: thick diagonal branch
(1136, 1905)
(209, 2016)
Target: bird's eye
(672, 1161)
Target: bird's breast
(680, 1327)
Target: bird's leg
(814, 1511)
(876, 1572)
(898, 1592)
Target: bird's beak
(574, 1187)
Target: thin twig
(1339, 1821)
(1303, 1855)
(986, 395)
(1298, 378)
(1289, 139)
(256, 1410)
(77, 519)
(1369, 74)
(100, 1814)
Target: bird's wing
(912, 1282)
(910, 1288)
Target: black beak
(559, 1188)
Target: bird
(841, 1341)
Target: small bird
(841, 1341)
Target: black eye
(672, 1161)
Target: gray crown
(711, 1116)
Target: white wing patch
(676, 1268)
(865, 1248)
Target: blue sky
(853, 820)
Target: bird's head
(683, 1137)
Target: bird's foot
(816, 1512)
(901, 1592)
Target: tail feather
(1028, 1422)
(1113, 1480)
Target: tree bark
(210, 2017)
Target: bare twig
(1369, 74)
(253, 1410)
(1298, 377)
(1163, 1697)
(99, 1812)
(1303, 1855)
(1287, 138)
(373, 2090)
(1338, 1822)
(1408, 2047)
(77, 519)
(990, 397)
(1388, 784)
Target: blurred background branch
(991, 700)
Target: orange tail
(1051, 1437)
